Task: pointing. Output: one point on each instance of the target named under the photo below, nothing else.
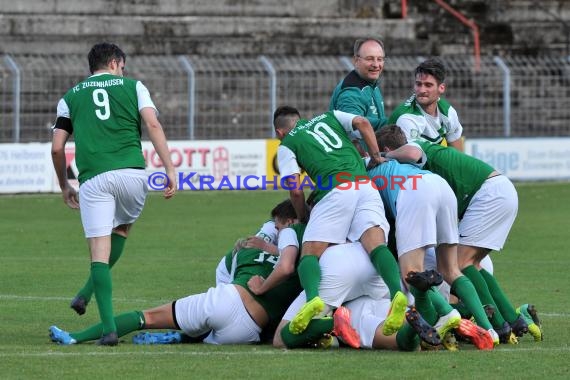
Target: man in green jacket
(358, 93)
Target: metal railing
(234, 97)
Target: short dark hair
(284, 210)
(390, 136)
(101, 54)
(433, 67)
(359, 42)
(283, 115)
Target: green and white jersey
(251, 262)
(104, 112)
(321, 147)
(292, 235)
(417, 124)
(464, 174)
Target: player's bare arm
(406, 154)
(158, 140)
(365, 128)
(69, 194)
(283, 270)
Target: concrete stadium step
(217, 35)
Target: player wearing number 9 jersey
(347, 206)
(104, 112)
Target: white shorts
(111, 199)
(366, 314)
(427, 215)
(490, 214)
(346, 214)
(219, 310)
(346, 273)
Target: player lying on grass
(487, 208)
(226, 314)
(349, 275)
(359, 323)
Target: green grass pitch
(173, 251)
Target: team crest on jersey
(373, 109)
(415, 134)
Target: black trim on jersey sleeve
(354, 80)
(64, 123)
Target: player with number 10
(323, 148)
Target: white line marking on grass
(148, 353)
(221, 353)
(554, 315)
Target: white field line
(222, 353)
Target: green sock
(407, 338)
(117, 246)
(464, 289)
(462, 309)
(103, 289)
(309, 272)
(387, 268)
(126, 323)
(505, 306)
(442, 307)
(314, 331)
(424, 305)
(484, 294)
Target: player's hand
(375, 161)
(255, 242)
(70, 196)
(170, 190)
(255, 283)
(239, 244)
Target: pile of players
(321, 268)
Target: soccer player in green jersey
(487, 207)
(347, 207)
(263, 240)
(104, 113)
(426, 115)
(229, 313)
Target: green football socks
(464, 289)
(484, 294)
(117, 246)
(309, 272)
(315, 330)
(424, 305)
(387, 268)
(407, 339)
(442, 307)
(126, 323)
(505, 306)
(103, 289)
